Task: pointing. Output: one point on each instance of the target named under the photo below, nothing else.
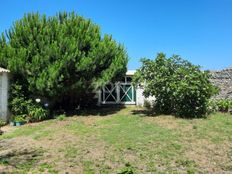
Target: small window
(122, 80)
(128, 79)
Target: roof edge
(130, 72)
(4, 70)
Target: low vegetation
(119, 140)
(2, 123)
(221, 105)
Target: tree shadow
(103, 110)
(17, 158)
(145, 112)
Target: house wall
(4, 96)
(140, 98)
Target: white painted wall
(140, 97)
(4, 96)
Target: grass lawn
(118, 140)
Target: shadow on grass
(145, 112)
(101, 111)
(18, 158)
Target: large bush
(179, 87)
(61, 59)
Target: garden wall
(4, 94)
(223, 79)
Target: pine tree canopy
(62, 58)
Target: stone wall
(223, 79)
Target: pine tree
(63, 58)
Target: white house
(123, 92)
(4, 94)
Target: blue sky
(198, 30)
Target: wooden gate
(118, 93)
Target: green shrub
(127, 170)
(37, 113)
(222, 105)
(18, 102)
(179, 87)
(212, 106)
(147, 104)
(21, 105)
(20, 118)
(61, 117)
(2, 122)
